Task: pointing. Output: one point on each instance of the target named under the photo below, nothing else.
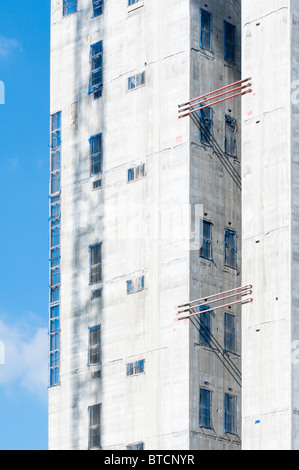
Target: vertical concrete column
(267, 226)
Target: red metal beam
(216, 102)
(215, 91)
(242, 302)
(213, 97)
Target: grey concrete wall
(215, 181)
(268, 189)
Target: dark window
(205, 325)
(95, 143)
(96, 77)
(69, 6)
(136, 172)
(137, 446)
(229, 333)
(131, 175)
(96, 263)
(55, 131)
(55, 182)
(55, 257)
(132, 2)
(205, 29)
(98, 7)
(96, 294)
(97, 184)
(95, 427)
(55, 213)
(206, 125)
(230, 421)
(205, 404)
(136, 367)
(206, 239)
(55, 277)
(54, 345)
(54, 321)
(54, 295)
(230, 42)
(95, 345)
(136, 81)
(135, 285)
(55, 161)
(230, 249)
(55, 237)
(54, 369)
(230, 144)
(56, 121)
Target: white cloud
(7, 46)
(26, 358)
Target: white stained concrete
(270, 217)
(140, 126)
(159, 407)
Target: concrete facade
(270, 225)
(144, 225)
(215, 184)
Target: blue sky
(24, 157)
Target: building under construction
(145, 215)
(147, 290)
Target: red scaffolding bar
(195, 105)
(188, 310)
